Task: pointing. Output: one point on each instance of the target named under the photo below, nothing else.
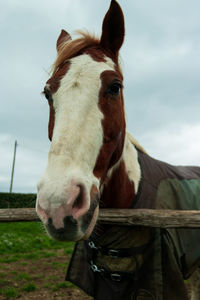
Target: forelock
(74, 47)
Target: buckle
(95, 268)
(113, 253)
(115, 277)
(91, 244)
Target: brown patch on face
(96, 54)
(51, 119)
(119, 191)
(54, 82)
(113, 124)
(99, 54)
(52, 86)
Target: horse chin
(74, 230)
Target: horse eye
(47, 94)
(115, 88)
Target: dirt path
(38, 279)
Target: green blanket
(157, 261)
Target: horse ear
(63, 38)
(113, 28)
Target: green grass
(24, 277)
(8, 259)
(49, 278)
(29, 287)
(9, 292)
(56, 264)
(49, 254)
(26, 240)
(61, 285)
(4, 282)
(24, 244)
(13, 273)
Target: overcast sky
(161, 63)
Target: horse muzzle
(69, 214)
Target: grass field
(33, 266)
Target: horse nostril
(78, 203)
(81, 203)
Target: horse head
(86, 128)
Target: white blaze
(78, 133)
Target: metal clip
(95, 268)
(113, 253)
(115, 277)
(91, 244)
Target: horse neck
(123, 179)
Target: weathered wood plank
(152, 218)
(18, 214)
(124, 217)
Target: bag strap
(122, 252)
(115, 253)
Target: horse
(94, 163)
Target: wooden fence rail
(125, 217)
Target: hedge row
(14, 200)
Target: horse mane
(71, 48)
(135, 142)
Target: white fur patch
(78, 134)
(130, 158)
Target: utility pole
(13, 167)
